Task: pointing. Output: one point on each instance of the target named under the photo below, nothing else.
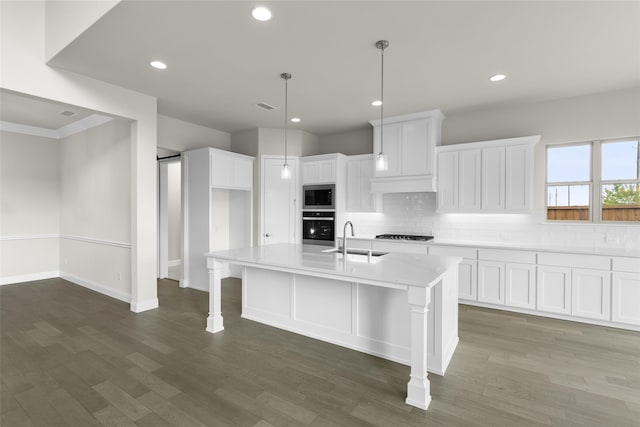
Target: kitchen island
(399, 306)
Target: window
(597, 181)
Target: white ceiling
(25, 110)
(222, 62)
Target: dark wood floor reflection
(72, 357)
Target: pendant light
(381, 158)
(285, 173)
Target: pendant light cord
(381, 98)
(286, 114)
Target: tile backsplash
(416, 213)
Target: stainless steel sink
(356, 252)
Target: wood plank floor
(72, 357)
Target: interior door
(279, 201)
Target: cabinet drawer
(470, 253)
(503, 255)
(631, 265)
(595, 262)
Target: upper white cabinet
(409, 143)
(459, 180)
(231, 170)
(359, 174)
(489, 176)
(318, 171)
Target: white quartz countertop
(393, 269)
(633, 253)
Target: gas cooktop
(415, 237)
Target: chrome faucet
(344, 237)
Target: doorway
(170, 218)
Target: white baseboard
(140, 306)
(9, 280)
(174, 263)
(98, 287)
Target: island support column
(214, 321)
(418, 388)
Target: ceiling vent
(68, 113)
(264, 106)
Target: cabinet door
(310, 172)
(448, 180)
(591, 293)
(493, 176)
(467, 280)
(221, 171)
(367, 199)
(626, 298)
(392, 140)
(491, 282)
(242, 174)
(518, 177)
(417, 151)
(520, 285)
(326, 172)
(554, 289)
(353, 185)
(469, 179)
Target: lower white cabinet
(554, 289)
(491, 282)
(625, 294)
(520, 285)
(467, 280)
(591, 293)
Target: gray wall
(359, 141)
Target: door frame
(163, 214)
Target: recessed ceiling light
(261, 13)
(376, 103)
(158, 64)
(497, 77)
(296, 120)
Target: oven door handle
(310, 218)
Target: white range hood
(409, 142)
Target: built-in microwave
(319, 196)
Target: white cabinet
(228, 170)
(409, 143)
(467, 269)
(491, 285)
(459, 180)
(493, 178)
(359, 174)
(554, 289)
(625, 294)
(318, 172)
(489, 176)
(520, 285)
(518, 177)
(591, 293)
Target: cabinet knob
(267, 235)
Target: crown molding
(71, 129)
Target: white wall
(178, 135)
(23, 70)
(174, 180)
(359, 141)
(95, 226)
(29, 207)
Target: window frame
(595, 184)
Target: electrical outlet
(119, 276)
(66, 261)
